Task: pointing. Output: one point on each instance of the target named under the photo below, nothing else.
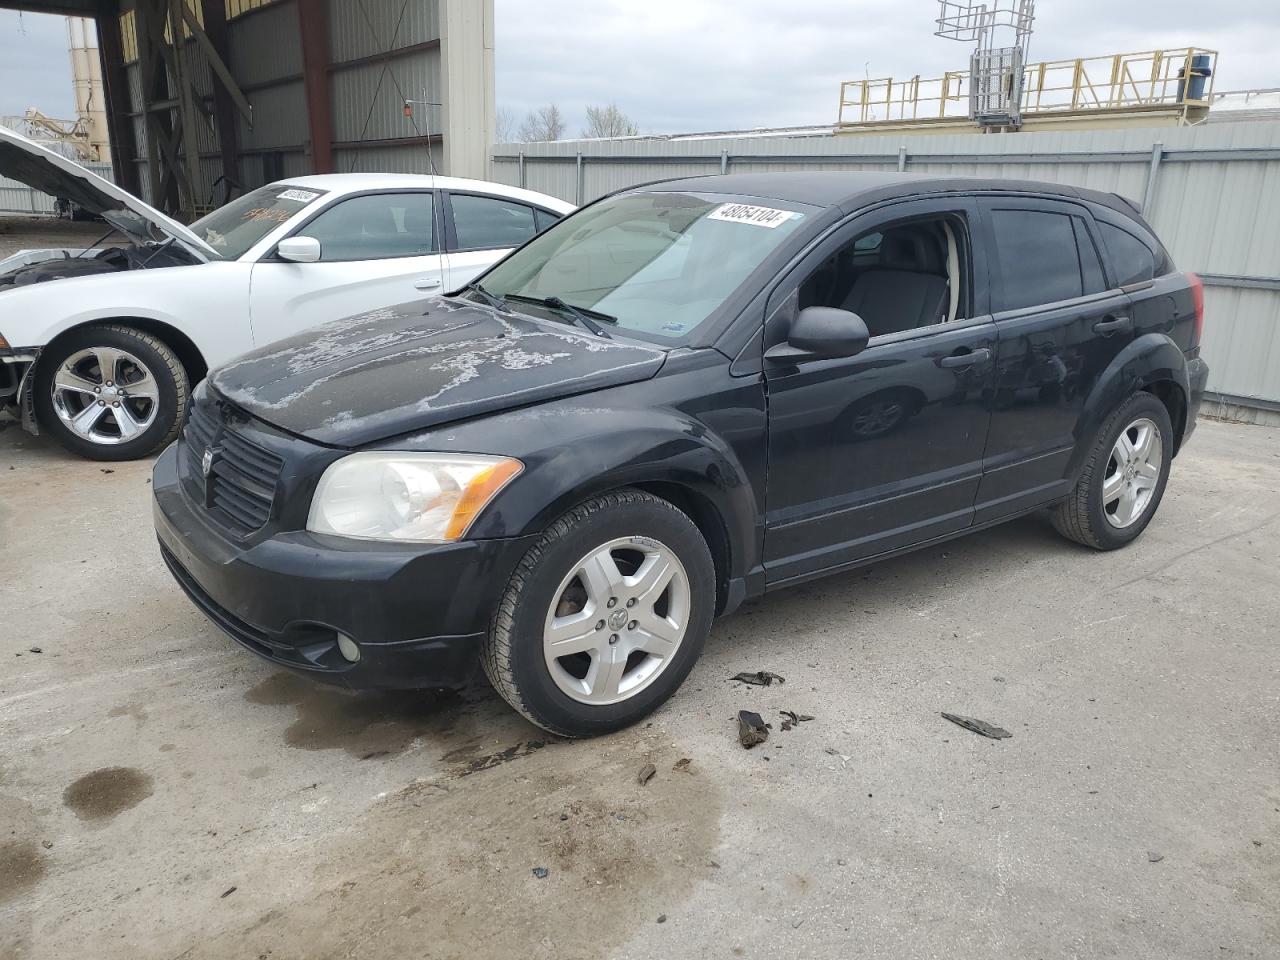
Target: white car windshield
(233, 229)
(656, 263)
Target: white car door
(483, 229)
(376, 250)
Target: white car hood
(41, 169)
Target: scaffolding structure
(1175, 81)
(995, 69)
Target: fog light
(347, 647)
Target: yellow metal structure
(1153, 80)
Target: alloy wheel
(617, 620)
(1133, 473)
(105, 395)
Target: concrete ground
(164, 794)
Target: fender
(207, 302)
(603, 448)
(1149, 359)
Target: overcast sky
(689, 65)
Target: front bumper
(417, 612)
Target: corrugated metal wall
(1214, 200)
(18, 198)
(265, 57)
(265, 53)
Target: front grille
(241, 484)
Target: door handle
(981, 355)
(427, 283)
(1113, 325)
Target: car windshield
(656, 263)
(233, 229)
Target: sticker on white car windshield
(302, 196)
(756, 216)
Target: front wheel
(110, 392)
(604, 616)
(1124, 478)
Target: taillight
(1197, 298)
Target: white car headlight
(432, 497)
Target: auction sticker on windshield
(756, 216)
(302, 196)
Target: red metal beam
(313, 24)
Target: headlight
(407, 496)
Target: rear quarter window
(1132, 260)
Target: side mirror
(822, 333)
(299, 249)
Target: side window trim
(451, 227)
(269, 255)
(783, 293)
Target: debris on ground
(541, 873)
(792, 719)
(646, 773)
(1153, 857)
(564, 816)
(751, 729)
(48, 844)
(682, 765)
(662, 918)
(105, 470)
(761, 678)
(228, 892)
(36, 649)
(1256, 843)
(978, 726)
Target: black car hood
(406, 368)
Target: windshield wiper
(492, 299)
(586, 319)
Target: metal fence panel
(1212, 194)
(16, 197)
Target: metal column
(313, 21)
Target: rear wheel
(110, 392)
(1124, 478)
(604, 617)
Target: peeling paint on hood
(407, 368)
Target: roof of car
(835, 188)
(353, 182)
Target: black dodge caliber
(682, 396)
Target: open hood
(42, 169)
(407, 368)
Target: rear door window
(1132, 261)
(1038, 257)
(545, 219)
(488, 223)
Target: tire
(569, 696)
(1090, 516)
(153, 392)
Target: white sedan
(105, 357)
